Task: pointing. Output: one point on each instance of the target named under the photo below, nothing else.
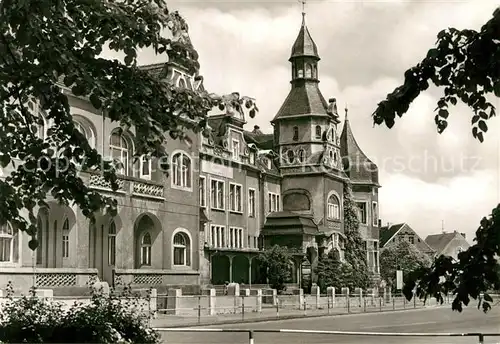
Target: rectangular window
(217, 236)
(231, 237)
(273, 202)
(362, 215)
(236, 150)
(240, 238)
(236, 237)
(251, 202)
(111, 249)
(217, 194)
(202, 190)
(375, 213)
(252, 158)
(411, 239)
(235, 197)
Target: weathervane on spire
(303, 2)
(346, 110)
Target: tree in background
(403, 256)
(45, 45)
(277, 263)
(466, 64)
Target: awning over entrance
(289, 223)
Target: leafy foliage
(31, 319)
(353, 273)
(277, 263)
(355, 246)
(466, 63)
(49, 49)
(404, 256)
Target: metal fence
(251, 340)
(199, 310)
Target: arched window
(86, 131)
(120, 150)
(65, 239)
(112, 243)
(315, 72)
(291, 156)
(182, 83)
(181, 167)
(146, 249)
(300, 73)
(181, 247)
(6, 243)
(318, 132)
(145, 167)
(42, 229)
(301, 155)
(308, 71)
(333, 207)
(295, 133)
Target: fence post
(199, 309)
(393, 303)
(414, 300)
(380, 304)
(243, 307)
(481, 338)
(404, 302)
(305, 307)
(250, 337)
(277, 307)
(364, 309)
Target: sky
(428, 180)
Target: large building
(229, 194)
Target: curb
(290, 317)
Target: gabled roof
(303, 99)
(304, 44)
(388, 232)
(439, 241)
(358, 166)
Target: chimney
(463, 234)
(379, 222)
(388, 225)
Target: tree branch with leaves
(46, 47)
(466, 64)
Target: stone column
(173, 301)
(210, 294)
(330, 293)
(259, 300)
(315, 291)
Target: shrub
(277, 263)
(106, 319)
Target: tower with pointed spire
(315, 163)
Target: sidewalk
(270, 314)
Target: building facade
(394, 233)
(448, 244)
(230, 193)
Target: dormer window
(252, 158)
(268, 163)
(295, 133)
(318, 132)
(182, 83)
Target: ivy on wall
(353, 272)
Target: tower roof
(304, 44)
(304, 100)
(358, 167)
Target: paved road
(424, 320)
